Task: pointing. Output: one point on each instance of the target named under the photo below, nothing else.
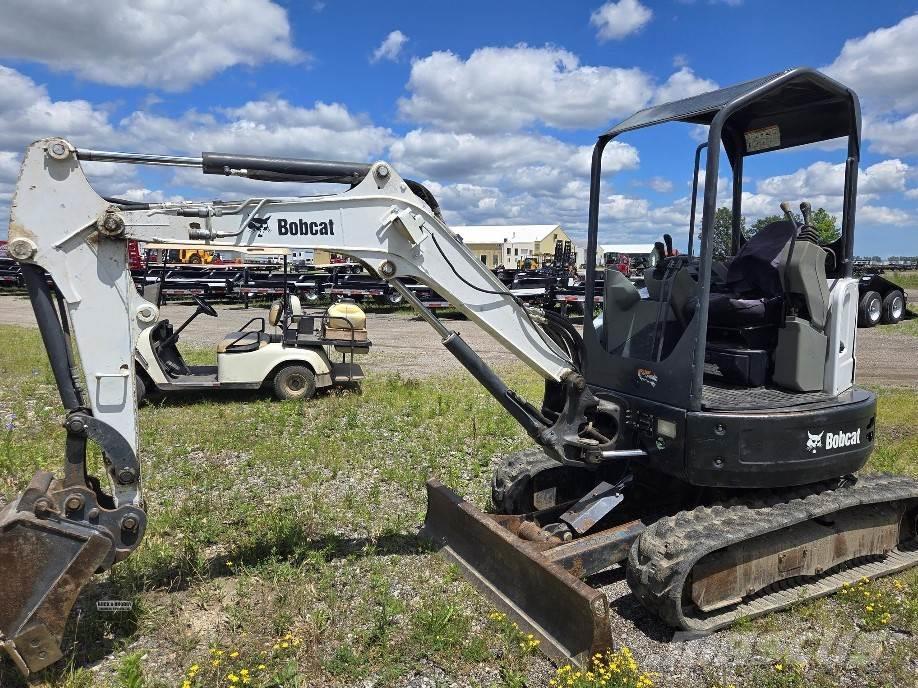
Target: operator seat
(774, 307)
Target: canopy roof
(785, 109)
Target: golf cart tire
(869, 310)
(141, 386)
(294, 382)
(893, 307)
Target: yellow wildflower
(234, 654)
(779, 667)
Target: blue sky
(494, 105)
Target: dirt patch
(405, 344)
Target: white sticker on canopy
(763, 139)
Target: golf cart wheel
(394, 298)
(893, 307)
(141, 389)
(194, 259)
(870, 309)
(294, 382)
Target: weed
(885, 604)
(610, 670)
(130, 672)
(439, 628)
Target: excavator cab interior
(761, 313)
(772, 320)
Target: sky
(495, 106)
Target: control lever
(807, 211)
(788, 213)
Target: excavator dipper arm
(61, 531)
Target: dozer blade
(570, 618)
(45, 560)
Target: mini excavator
(703, 432)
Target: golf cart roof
(782, 110)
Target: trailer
(881, 301)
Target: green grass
(271, 520)
(268, 518)
(906, 280)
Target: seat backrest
(296, 308)
(275, 313)
(758, 268)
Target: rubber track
(662, 559)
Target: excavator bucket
(45, 560)
(536, 582)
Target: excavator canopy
(805, 106)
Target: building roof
(642, 249)
(498, 234)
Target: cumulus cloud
(616, 20)
(390, 48)
(28, 113)
(501, 89)
(522, 160)
(883, 69)
(167, 44)
(891, 136)
(826, 179)
(683, 84)
(882, 66)
(498, 89)
(264, 127)
(660, 184)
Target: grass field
(282, 548)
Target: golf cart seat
(243, 342)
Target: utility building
(508, 245)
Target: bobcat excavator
(703, 432)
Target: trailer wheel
(294, 382)
(870, 309)
(893, 307)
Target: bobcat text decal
(304, 228)
(834, 440)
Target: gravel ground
(406, 345)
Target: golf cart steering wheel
(205, 307)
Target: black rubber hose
(52, 333)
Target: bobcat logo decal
(259, 225)
(815, 441)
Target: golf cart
(295, 359)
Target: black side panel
(779, 449)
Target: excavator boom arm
(61, 531)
